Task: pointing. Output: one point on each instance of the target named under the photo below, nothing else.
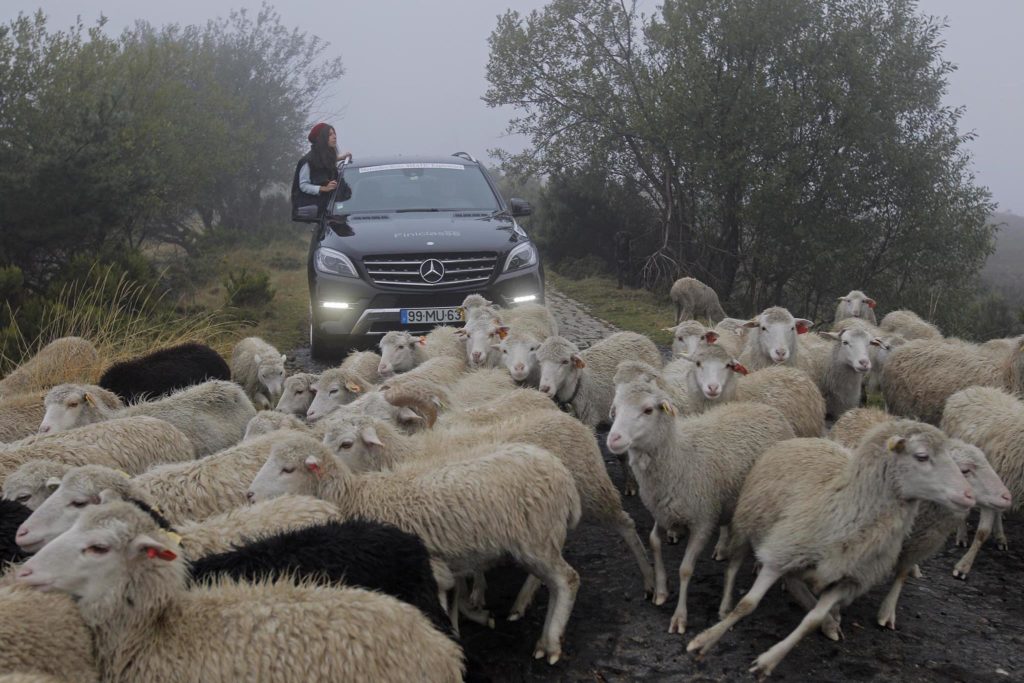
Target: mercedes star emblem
(432, 271)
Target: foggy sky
(415, 71)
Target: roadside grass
(284, 321)
(637, 310)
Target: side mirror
(520, 207)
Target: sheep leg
(887, 610)
(915, 572)
(482, 617)
(697, 541)
(626, 527)
(735, 562)
(660, 578)
(1000, 535)
(478, 596)
(963, 567)
(629, 485)
(961, 533)
(721, 551)
(563, 583)
(672, 537)
(803, 595)
(764, 664)
(747, 604)
(525, 598)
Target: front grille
(403, 270)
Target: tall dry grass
(122, 319)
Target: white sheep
(43, 633)
(790, 391)
(297, 394)
(920, 375)
(365, 364)
(909, 325)
(401, 352)
(857, 305)
(335, 387)
(992, 420)
(129, 580)
(694, 299)
(213, 415)
(703, 378)
(515, 402)
(519, 500)
(259, 368)
(476, 306)
(832, 521)
(133, 444)
(366, 444)
(849, 429)
(772, 339)
(468, 391)
(81, 487)
(33, 482)
(483, 334)
(518, 353)
(267, 421)
(840, 367)
(879, 354)
(689, 470)
(20, 415)
(67, 359)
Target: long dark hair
(321, 154)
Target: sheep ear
(829, 335)
(870, 302)
(896, 444)
(313, 464)
(751, 323)
(880, 343)
(841, 298)
(736, 366)
(668, 408)
(502, 332)
(409, 416)
(710, 337)
(668, 329)
(257, 359)
(53, 483)
(370, 438)
(283, 357)
(495, 346)
(153, 549)
(422, 341)
(88, 398)
(353, 387)
(578, 362)
(803, 325)
(461, 332)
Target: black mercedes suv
(401, 243)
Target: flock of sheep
(176, 517)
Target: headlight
(522, 256)
(334, 262)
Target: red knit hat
(314, 132)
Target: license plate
(433, 316)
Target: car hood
(359, 235)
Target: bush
(577, 268)
(245, 289)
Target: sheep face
(333, 389)
(560, 365)
(398, 353)
(482, 338)
(688, 336)
(519, 355)
(856, 304)
(713, 371)
(33, 482)
(270, 372)
(925, 471)
(96, 558)
(68, 406)
(297, 394)
(293, 467)
(80, 488)
(356, 443)
(989, 489)
(854, 347)
(775, 333)
(640, 414)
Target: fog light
(524, 299)
(334, 304)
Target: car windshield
(409, 187)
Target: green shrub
(578, 268)
(245, 289)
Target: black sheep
(12, 514)
(164, 371)
(355, 553)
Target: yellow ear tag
(896, 444)
(176, 537)
(89, 399)
(353, 387)
(127, 476)
(502, 333)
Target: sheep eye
(966, 471)
(299, 392)
(73, 404)
(347, 444)
(505, 351)
(332, 392)
(23, 498)
(763, 328)
(565, 362)
(698, 364)
(648, 410)
(287, 470)
(921, 457)
(79, 503)
(532, 349)
(846, 343)
(96, 550)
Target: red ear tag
(870, 303)
(314, 468)
(736, 367)
(801, 328)
(711, 337)
(162, 554)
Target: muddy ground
(947, 630)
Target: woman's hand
(329, 187)
(345, 155)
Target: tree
(792, 149)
